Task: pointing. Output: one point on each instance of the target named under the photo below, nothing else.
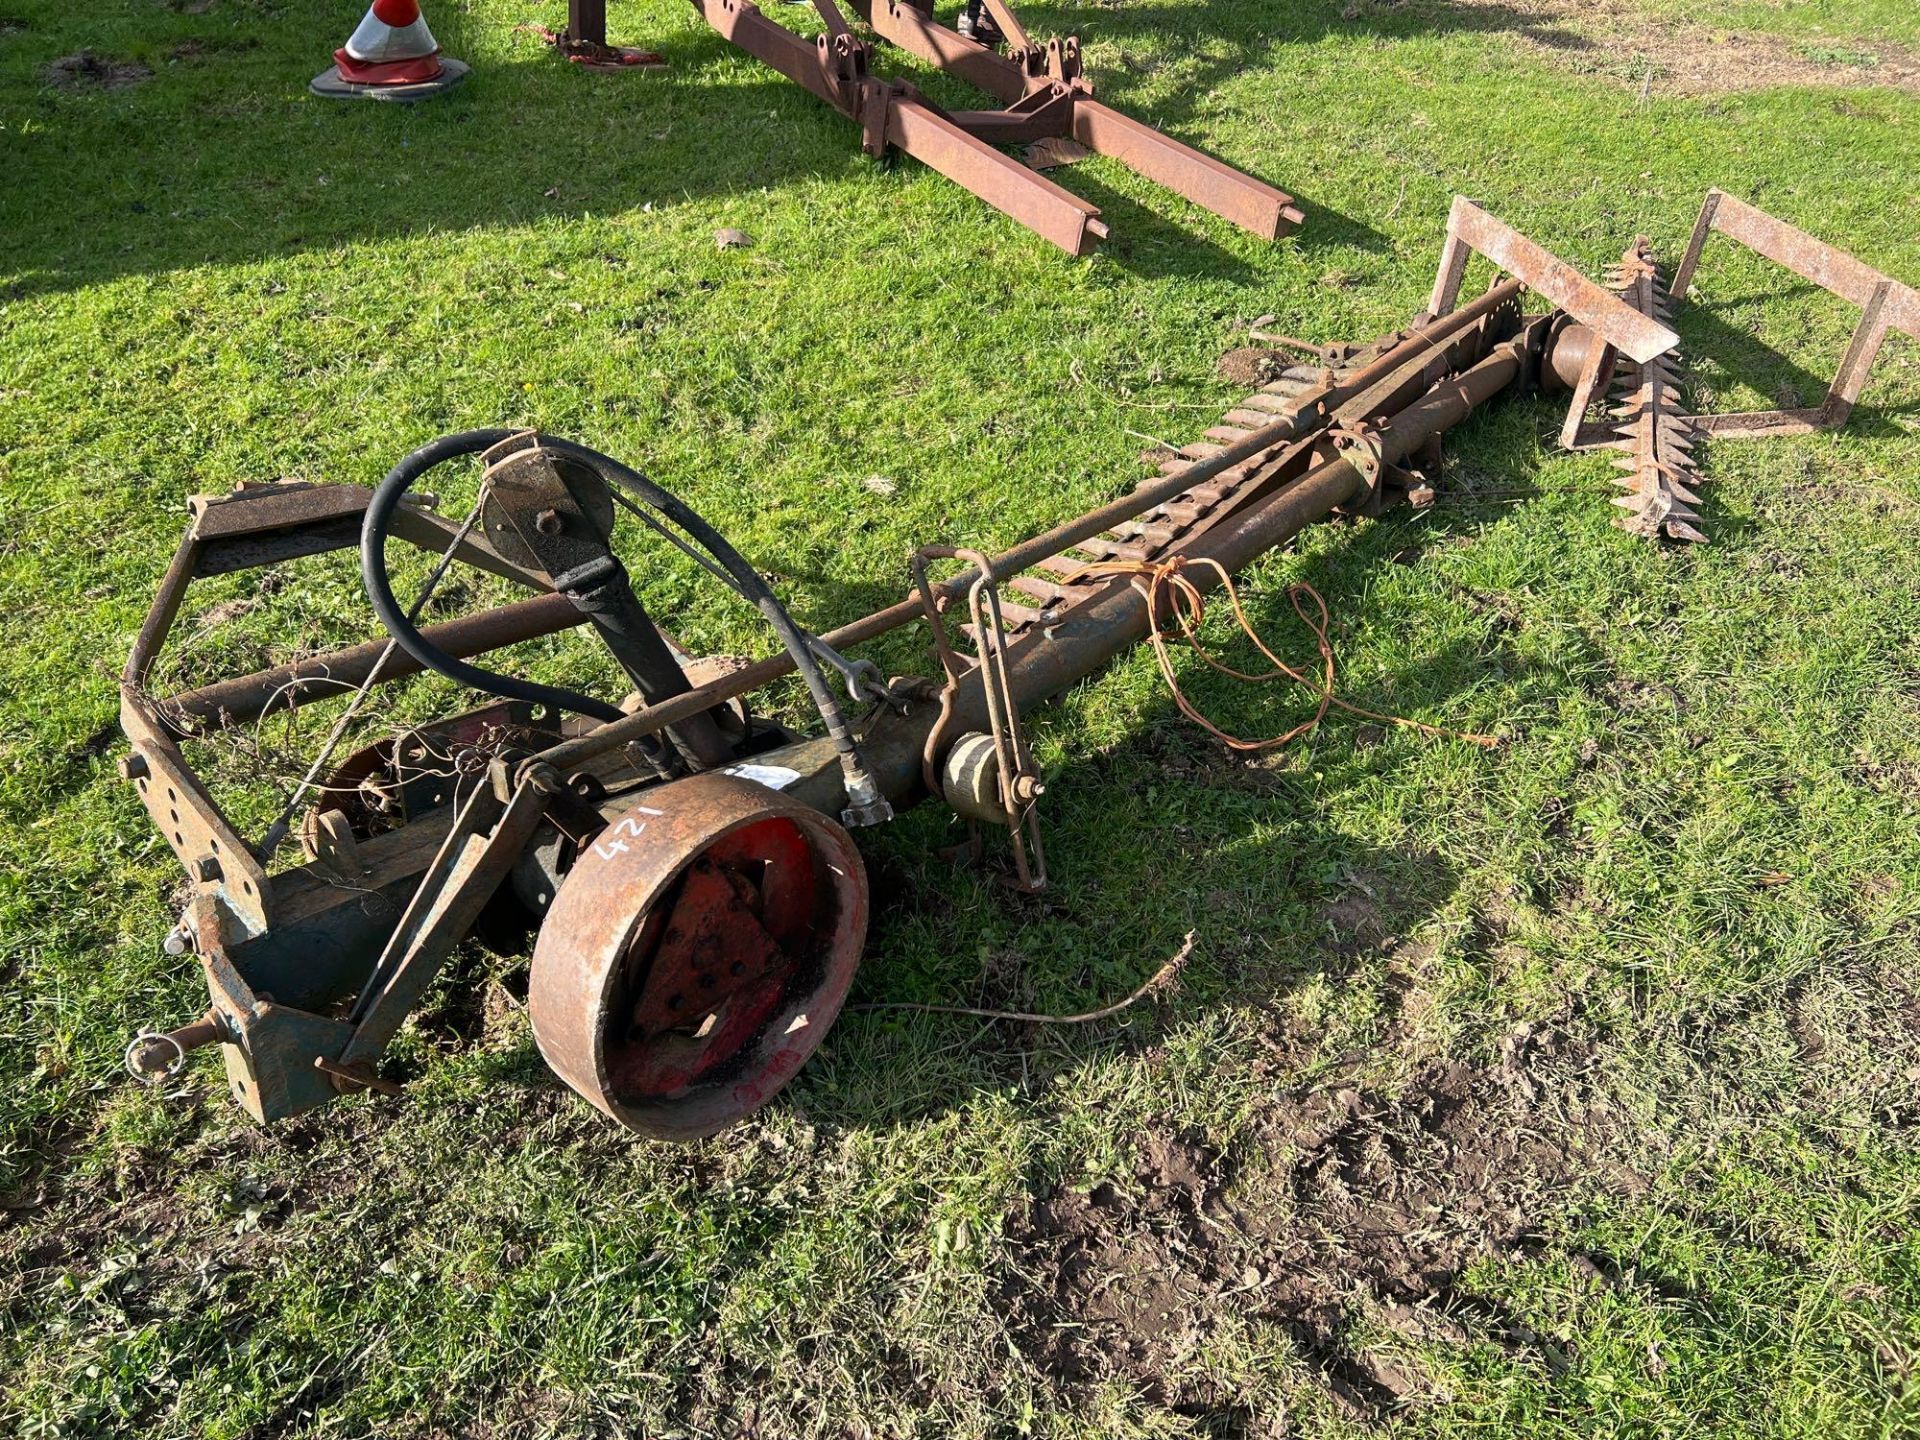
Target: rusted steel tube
(161, 614)
(1093, 633)
(571, 754)
(156, 1057)
(247, 697)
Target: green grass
(1694, 865)
(1847, 19)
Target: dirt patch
(85, 70)
(1250, 366)
(1618, 38)
(1349, 1204)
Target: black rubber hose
(744, 576)
(373, 573)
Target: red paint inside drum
(711, 964)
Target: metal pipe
(246, 698)
(1095, 631)
(571, 754)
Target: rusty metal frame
(253, 526)
(283, 1055)
(311, 973)
(1618, 327)
(1885, 304)
(1042, 94)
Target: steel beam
(1254, 205)
(1003, 182)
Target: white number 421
(627, 826)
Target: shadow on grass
(1711, 340)
(221, 156)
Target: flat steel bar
(795, 57)
(475, 857)
(1762, 424)
(1862, 350)
(1009, 23)
(1805, 255)
(189, 818)
(1696, 244)
(162, 613)
(901, 24)
(1594, 305)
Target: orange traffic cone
(391, 55)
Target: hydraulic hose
(865, 804)
(373, 573)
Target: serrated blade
(1654, 431)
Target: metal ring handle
(150, 1077)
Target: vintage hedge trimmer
(700, 903)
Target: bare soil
(84, 70)
(1251, 366)
(1656, 56)
(1350, 1206)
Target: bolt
(133, 767)
(206, 868)
(545, 779)
(1026, 788)
(178, 940)
(547, 522)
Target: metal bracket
(1885, 304)
(1358, 443)
(1018, 788)
(1616, 325)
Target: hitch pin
(154, 1057)
(348, 1078)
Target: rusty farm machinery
(688, 864)
(1042, 95)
